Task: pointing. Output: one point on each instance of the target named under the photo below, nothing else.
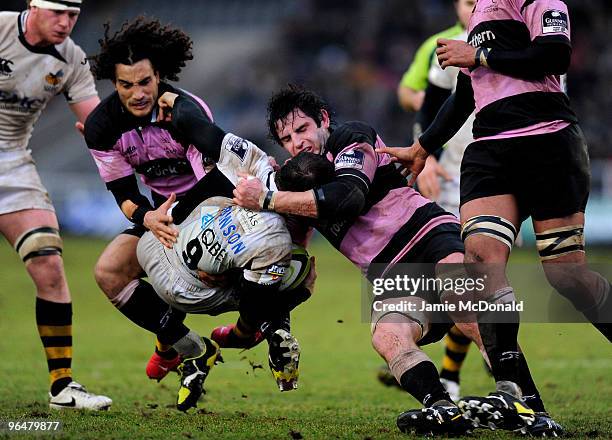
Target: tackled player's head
(299, 120)
(304, 172)
(137, 57)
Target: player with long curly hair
(125, 138)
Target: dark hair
(291, 99)
(143, 38)
(305, 171)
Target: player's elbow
(350, 205)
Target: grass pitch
(338, 395)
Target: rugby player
(357, 212)
(125, 139)
(217, 237)
(38, 60)
(439, 181)
(368, 194)
(524, 122)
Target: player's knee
(563, 244)
(388, 337)
(47, 272)
(488, 239)
(38, 242)
(109, 277)
(41, 249)
(454, 258)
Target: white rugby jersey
(219, 236)
(30, 76)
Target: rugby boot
(75, 396)
(544, 426)
(194, 372)
(284, 358)
(226, 338)
(499, 410)
(443, 418)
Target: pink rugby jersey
(122, 145)
(395, 217)
(513, 107)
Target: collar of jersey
(44, 50)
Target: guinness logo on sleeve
(555, 22)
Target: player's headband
(58, 5)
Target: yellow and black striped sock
(54, 322)
(166, 351)
(457, 346)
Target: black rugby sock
(147, 310)
(500, 342)
(531, 395)
(423, 383)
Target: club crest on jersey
(206, 218)
(351, 159)
(554, 22)
(5, 67)
(53, 80)
(238, 146)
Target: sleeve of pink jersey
(111, 164)
(547, 18)
(358, 157)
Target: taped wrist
(139, 214)
(266, 200)
(126, 188)
(482, 53)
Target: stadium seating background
(352, 51)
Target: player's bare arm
(412, 158)
(81, 110)
(251, 194)
(455, 53)
(157, 221)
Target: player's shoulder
(165, 87)
(8, 17)
(72, 54)
(102, 125)
(349, 133)
(8, 23)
